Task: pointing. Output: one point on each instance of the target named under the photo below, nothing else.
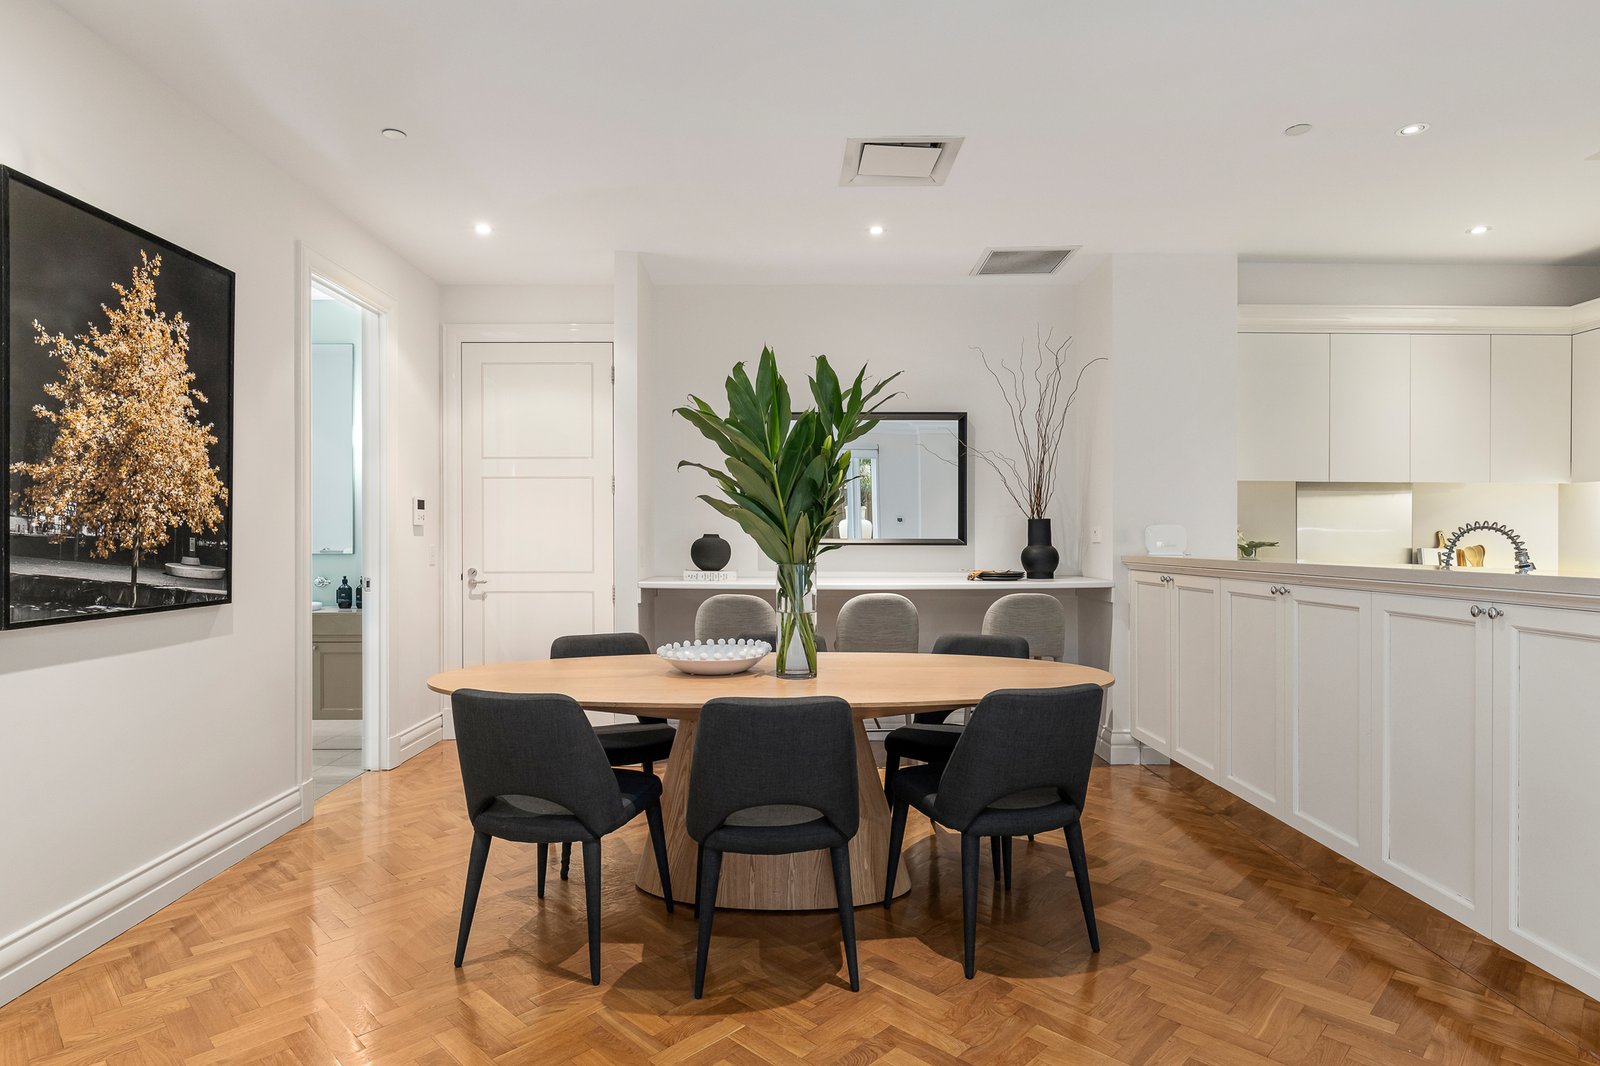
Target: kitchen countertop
(1465, 582)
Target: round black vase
(1039, 559)
(710, 552)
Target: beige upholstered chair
(1034, 616)
(878, 621)
(730, 615)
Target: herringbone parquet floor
(333, 945)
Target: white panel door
(1196, 686)
(1586, 406)
(1252, 693)
(1434, 665)
(1151, 655)
(1547, 846)
(1530, 425)
(1450, 408)
(1329, 681)
(1369, 407)
(1283, 407)
(536, 455)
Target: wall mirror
(333, 449)
(909, 481)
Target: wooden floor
(333, 945)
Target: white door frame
(450, 513)
(376, 360)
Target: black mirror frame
(960, 419)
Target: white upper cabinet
(1586, 406)
(1450, 408)
(1369, 407)
(1530, 433)
(1283, 407)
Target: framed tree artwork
(116, 349)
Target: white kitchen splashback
(1351, 523)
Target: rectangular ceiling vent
(1021, 262)
(898, 160)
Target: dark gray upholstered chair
(1021, 766)
(643, 743)
(534, 771)
(878, 621)
(728, 614)
(771, 637)
(928, 738)
(773, 777)
(1036, 617)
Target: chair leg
(591, 894)
(658, 841)
(566, 858)
(847, 909)
(544, 861)
(1005, 859)
(699, 871)
(649, 767)
(891, 766)
(1080, 871)
(469, 902)
(969, 901)
(710, 871)
(994, 856)
(897, 837)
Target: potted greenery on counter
(784, 477)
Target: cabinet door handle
(1475, 611)
(1495, 612)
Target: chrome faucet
(1447, 554)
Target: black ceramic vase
(1039, 559)
(710, 552)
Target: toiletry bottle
(359, 583)
(343, 594)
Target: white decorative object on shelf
(711, 577)
(1166, 540)
(725, 656)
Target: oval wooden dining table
(874, 684)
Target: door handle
(1476, 611)
(473, 580)
(1495, 612)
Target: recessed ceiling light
(1299, 129)
(1479, 230)
(482, 229)
(393, 134)
(875, 230)
(1411, 129)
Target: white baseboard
(1118, 749)
(408, 742)
(34, 952)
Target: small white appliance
(1166, 540)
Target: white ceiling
(709, 134)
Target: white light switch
(1094, 535)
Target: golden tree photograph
(119, 360)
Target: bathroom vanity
(335, 665)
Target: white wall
(164, 747)
(1419, 284)
(701, 331)
(500, 305)
(1174, 352)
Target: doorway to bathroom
(345, 336)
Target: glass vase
(797, 620)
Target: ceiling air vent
(1021, 262)
(898, 160)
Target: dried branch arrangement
(1036, 394)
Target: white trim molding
(419, 737)
(55, 941)
(1374, 318)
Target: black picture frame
(960, 419)
(58, 259)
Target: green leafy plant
(785, 471)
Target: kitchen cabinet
(1283, 407)
(1176, 651)
(1450, 407)
(1530, 421)
(1252, 693)
(1586, 406)
(1369, 407)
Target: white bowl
(714, 657)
